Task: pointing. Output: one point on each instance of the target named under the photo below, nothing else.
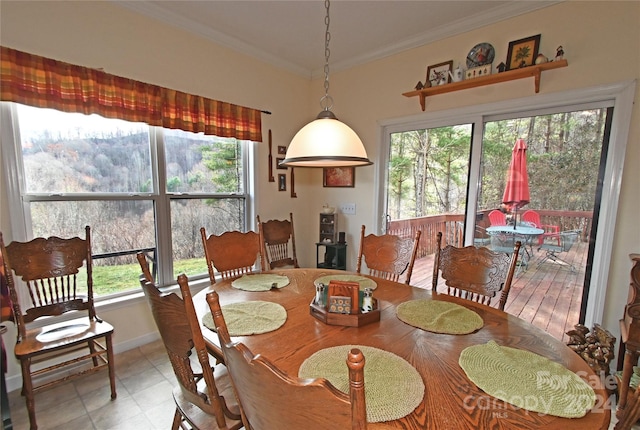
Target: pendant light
(325, 141)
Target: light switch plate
(348, 208)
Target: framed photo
(438, 74)
(339, 176)
(282, 149)
(278, 166)
(523, 52)
(282, 182)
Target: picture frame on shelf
(339, 177)
(438, 74)
(523, 52)
(282, 182)
(280, 166)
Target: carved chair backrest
(279, 242)
(388, 256)
(272, 400)
(232, 253)
(180, 332)
(51, 270)
(475, 273)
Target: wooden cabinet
(334, 257)
(510, 75)
(328, 228)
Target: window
(78, 170)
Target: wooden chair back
(473, 273)
(180, 332)
(50, 268)
(272, 400)
(388, 256)
(279, 242)
(232, 253)
(497, 218)
(56, 276)
(144, 266)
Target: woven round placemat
(393, 388)
(247, 318)
(259, 282)
(527, 380)
(439, 316)
(364, 282)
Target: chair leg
(27, 391)
(177, 420)
(112, 367)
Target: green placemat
(393, 388)
(259, 282)
(439, 316)
(246, 318)
(527, 380)
(364, 282)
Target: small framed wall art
(280, 166)
(339, 176)
(438, 74)
(282, 149)
(523, 52)
(282, 182)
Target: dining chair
(388, 256)
(273, 400)
(497, 218)
(278, 243)
(567, 239)
(475, 273)
(532, 217)
(631, 412)
(204, 396)
(56, 276)
(232, 253)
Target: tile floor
(144, 383)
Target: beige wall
(601, 40)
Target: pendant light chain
(327, 101)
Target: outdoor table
(526, 234)
(451, 400)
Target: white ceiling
(290, 34)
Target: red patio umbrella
(516, 192)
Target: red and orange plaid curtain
(42, 82)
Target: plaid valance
(42, 82)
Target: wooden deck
(547, 295)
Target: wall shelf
(510, 75)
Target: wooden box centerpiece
(342, 306)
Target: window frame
(19, 200)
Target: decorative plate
(481, 54)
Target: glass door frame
(619, 95)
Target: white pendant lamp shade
(326, 142)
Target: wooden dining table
(451, 400)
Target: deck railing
(452, 229)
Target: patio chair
(550, 231)
(497, 218)
(272, 399)
(566, 239)
(388, 256)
